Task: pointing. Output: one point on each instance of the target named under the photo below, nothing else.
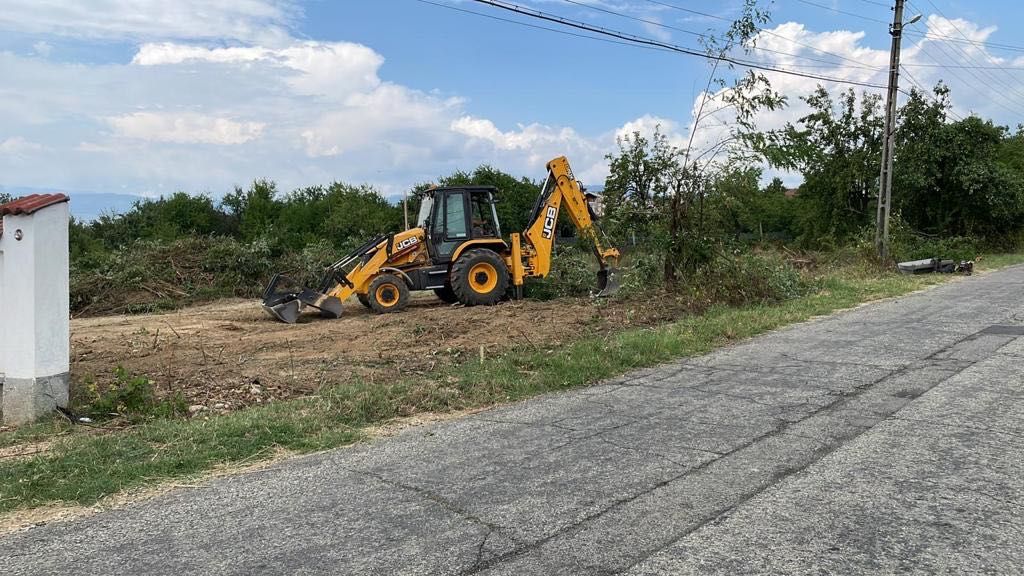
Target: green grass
(994, 261)
(83, 468)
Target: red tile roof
(29, 205)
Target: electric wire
(699, 34)
(1000, 98)
(767, 32)
(978, 84)
(928, 94)
(997, 45)
(673, 47)
(971, 58)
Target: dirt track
(230, 354)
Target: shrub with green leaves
(573, 273)
(133, 397)
(749, 277)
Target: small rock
(256, 389)
(220, 406)
(196, 408)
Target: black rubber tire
(468, 289)
(364, 300)
(388, 293)
(446, 294)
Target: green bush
(573, 273)
(133, 397)
(906, 244)
(748, 277)
(640, 274)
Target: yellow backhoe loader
(456, 250)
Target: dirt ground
(230, 354)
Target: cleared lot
(230, 354)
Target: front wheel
(388, 293)
(479, 277)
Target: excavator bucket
(608, 282)
(283, 301)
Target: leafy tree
(636, 185)
(955, 178)
(5, 197)
(253, 211)
(837, 148)
(666, 189)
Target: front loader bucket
(287, 312)
(286, 304)
(608, 282)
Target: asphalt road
(885, 439)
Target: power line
(767, 32)
(931, 35)
(585, 36)
(939, 45)
(974, 86)
(1010, 105)
(843, 12)
(673, 47)
(965, 67)
(535, 26)
(876, 3)
(969, 57)
(704, 36)
(927, 93)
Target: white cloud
(42, 48)
(19, 145)
(245, 20)
(525, 138)
(318, 68)
(185, 128)
(184, 114)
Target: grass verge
(81, 468)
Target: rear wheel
(388, 293)
(479, 277)
(446, 294)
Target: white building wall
(3, 324)
(18, 305)
(51, 298)
(35, 337)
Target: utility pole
(885, 180)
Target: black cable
(991, 75)
(978, 84)
(535, 26)
(768, 32)
(930, 35)
(927, 93)
(697, 34)
(843, 12)
(651, 42)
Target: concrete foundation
(26, 399)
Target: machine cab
(453, 216)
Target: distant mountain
(92, 206)
(85, 205)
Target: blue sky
(149, 97)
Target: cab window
(484, 224)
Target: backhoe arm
(561, 189)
